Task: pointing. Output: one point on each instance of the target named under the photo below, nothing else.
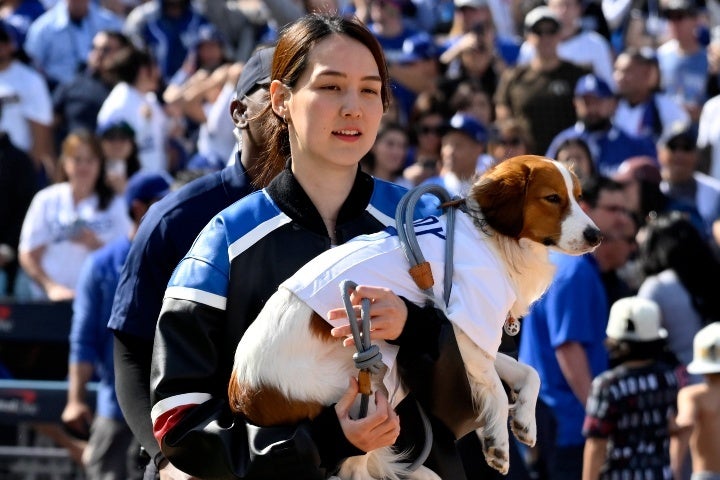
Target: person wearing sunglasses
(540, 94)
(678, 157)
(578, 44)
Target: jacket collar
(293, 201)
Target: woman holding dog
(324, 112)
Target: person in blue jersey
(164, 236)
(324, 115)
(111, 452)
(595, 105)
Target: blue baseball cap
(418, 47)
(469, 125)
(209, 33)
(146, 187)
(591, 84)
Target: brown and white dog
(288, 366)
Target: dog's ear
(501, 197)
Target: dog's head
(536, 198)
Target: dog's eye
(554, 198)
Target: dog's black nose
(592, 236)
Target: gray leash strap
(404, 215)
(368, 358)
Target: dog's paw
(526, 433)
(496, 454)
(523, 424)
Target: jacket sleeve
(192, 420)
(132, 380)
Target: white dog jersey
(481, 294)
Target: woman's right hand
(378, 429)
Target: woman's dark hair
(69, 148)
(125, 65)
(673, 242)
(292, 53)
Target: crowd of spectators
(626, 92)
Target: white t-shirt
(215, 138)
(630, 118)
(29, 100)
(481, 294)
(145, 115)
(709, 133)
(52, 220)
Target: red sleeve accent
(168, 420)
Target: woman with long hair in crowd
(69, 219)
(681, 271)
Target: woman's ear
(238, 113)
(279, 96)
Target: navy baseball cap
(591, 84)
(209, 33)
(146, 187)
(418, 47)
(469, 125)
(256, 72)
(679, 132)
(114, 129)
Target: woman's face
(334, 111)
(574, 156)
(429, 130)
(83, 167)
(509, 145)
(390, 151)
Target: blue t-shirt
(574, 309)
(609, 148)
(90, 339)
(684, 76)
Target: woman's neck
(327, 188)
(80, 192)
(545, 64)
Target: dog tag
(511, 326)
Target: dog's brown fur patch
(320, 328)
(267, 406)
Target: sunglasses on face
(545, 31)
(428, 129)
(510, 142)
(676, 15)
(681, 146)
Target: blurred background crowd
(96, 92)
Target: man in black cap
(164, 236)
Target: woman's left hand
(388, 314)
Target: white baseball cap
(706, 351)
(635, 319)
